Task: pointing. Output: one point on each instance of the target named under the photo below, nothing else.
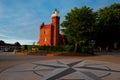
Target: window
(44, 32)
(45, 40)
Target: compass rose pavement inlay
(65, 69)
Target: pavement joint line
(87, 69)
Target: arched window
(44, 32)
(45, 39)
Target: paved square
(63, 69)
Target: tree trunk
(115, 45)
(76, 46)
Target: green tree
(108, 25)
(78, 25)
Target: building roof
(55, 13)
(61, 35)
(2, 43)
(47, 26)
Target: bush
(68, 48)
(86, 49)
(59, 48)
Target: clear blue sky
(20, 19)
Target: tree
(78, 25)
(108, 25)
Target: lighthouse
(49, 33)
(55, 26)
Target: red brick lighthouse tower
(55, 24)
(49, 33)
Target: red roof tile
(47, 26)
(62, 35)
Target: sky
(20, 19)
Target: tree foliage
(78, 25)
(82, 24)
(108, 25)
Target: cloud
(20, 22)
(3, 36)
(11, 39)
(21, 41)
